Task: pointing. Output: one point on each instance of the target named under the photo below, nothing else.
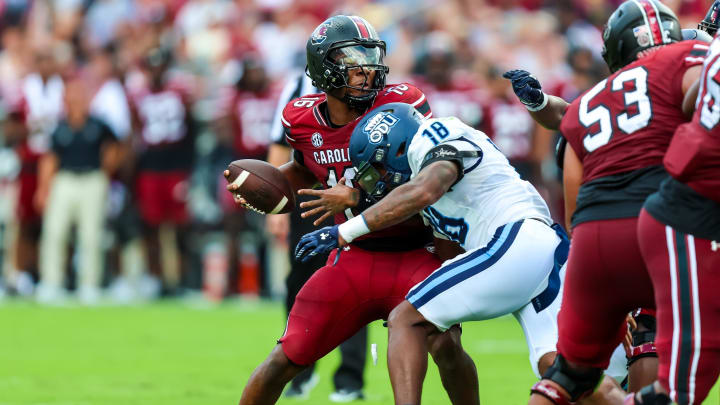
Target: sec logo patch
(316, 139)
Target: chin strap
(362, 103)
(545, 389)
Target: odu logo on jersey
(379, 125)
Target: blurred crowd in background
(118, 117)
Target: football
(262, 185)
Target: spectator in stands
(72, 190)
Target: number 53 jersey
(621, 128)
(488, 194)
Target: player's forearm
(278, 155)
(572, 180)
(551, 116)
(401, 204)
(298, 176)
(404, 201)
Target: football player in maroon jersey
(679, 230)
(373, 275)
(160, 106)
(618, 132)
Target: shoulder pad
(696, 52)
(299, 107)
(404, 93)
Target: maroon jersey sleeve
(626, 121)
(404, 93)
(300, 118)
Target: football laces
(249, 206)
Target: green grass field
(173, 353)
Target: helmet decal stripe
(647, 24)
(361, 26)
(652, 20)
(664, 35)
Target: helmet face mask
(345, 61)
(371, 181)
(341, 46)
(377, 180)
(711, 22)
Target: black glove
(527, 88)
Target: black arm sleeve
(560, 151)
(451, 154)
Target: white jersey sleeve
(489, 192)
(440, 131)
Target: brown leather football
(262, 185)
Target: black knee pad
(648, 396)
(578, 383)
(643, 338)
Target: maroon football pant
(686, 274)
(339, 300)
(605, 280)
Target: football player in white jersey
(468, 192)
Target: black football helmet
(635, 26)
(342, 43)
(711, 22)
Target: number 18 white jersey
(490, 193)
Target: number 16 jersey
(621, 128)
(322, 147)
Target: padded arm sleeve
(451, 154)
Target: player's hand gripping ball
(259, 186)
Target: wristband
(353, 228)
(541, 106)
